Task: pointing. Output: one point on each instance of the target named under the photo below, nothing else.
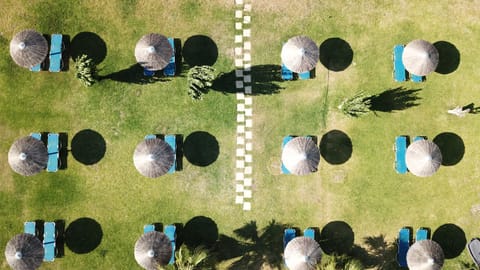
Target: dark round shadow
(88, 147)
(200, 50)
(336, 238)
(451, 238)
(336, 147)
(201, 148)
(90, 44)
(451, 146)
(83, 235)
(448, 57)
(200, 231)
(336, 54)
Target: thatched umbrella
(423, 158)
(300, 54)
(153, 52)
(420, 57)
(301, 156)
(28, 48)
(425, 255)
(28, 156)
(24, 252)
(302, 253)
(153, 157)
(153, 249)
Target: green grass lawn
(364, 192)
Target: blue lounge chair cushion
(400, 74)
(404, 236)
(36, 68)
(49, 241)
(55, 53)
(148, 73)
(170, 68)
(37, 136)
(148, 228)
(29, 227)
(169, 230)
(418, 138)
(53, 152)
(400, 152)
(422, 234)
(304, 75)
(286, 139)
(288, 235)
(287, 74)
(150, 136)
(309, 233)
(416, 78)
(171, 140)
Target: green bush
(86, 70)
(200, 79)
(355, 106)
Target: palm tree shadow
(134, 74)
(395, 99)
(377, 253)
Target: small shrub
(355, 106)
(86, 70)
(200, 79)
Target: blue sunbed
(55, 53)
(49, 241)
(148, 228)
(36, 68)
(399, 72)
(29, 227)
(404, 241)
(36, 135)
(53, 154)
(422, 234)
(416, 78)
(171, 140)
(286, 139)
(170, 68)
(287, 74)
(148, 73)
(288, 235)
(150, 136)
(400, 152)
(169, 230)
(309, 233)
(304, 75)
(419, 138)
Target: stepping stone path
(243, 81)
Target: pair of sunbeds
(49, 237)
(288, 75)
(170, 140)
(53, 148)
(400, 148)
(55, 55)
(170, 69)
(405, 240)
(290, 233)
(400, 74)
(170, 231)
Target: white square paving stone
(240, 117)
(248, 123)
(247, 7)
(240, 164)
(247, 45)
(239, 2)
(248, 135)
(248, 158)
(240, 129)
(248, 170)
(239, 188)
(238, 26)
(247, 193)
(238, 14)
(247, 182)
(246, 32)
(247, 19)
(248, 101)
(240, 152)
(239, 72)
(238, 38)
(239, 176)
(247, 206)
(248, 90)
(248, 147)
(238, 199)
(239, 63)
(240, 140)
(240, 107)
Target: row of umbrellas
(29, 48)
(300, 54)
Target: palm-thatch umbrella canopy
(302, 253)
(24, 252)
(301, 156)
(153, 51)
(420, 57)
(300, 54)
(28, 156)
(153, 157)
(153, 249)
(425, 255)
(28, 48)
(423, 158)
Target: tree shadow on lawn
(336, 147)
(449, 57)
(394, 99)
(377, 253)
(134, 74)
(83, 235)
(256, 247)
(263, 81)
(88, 147)
(90, 44)
(451, 146)
(451, 238)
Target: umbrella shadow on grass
(90, 44)
(134, 74)
(395, 99)
(200, 231)
(451, 146)
(451, 238)
(336, 54)
(448, 56)
(337, 238)
(336, 147)
(200, 50)
(264, 78)
(83, 235)
(376, 253)
(88, 147)
(256, 247)
(201, 148)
